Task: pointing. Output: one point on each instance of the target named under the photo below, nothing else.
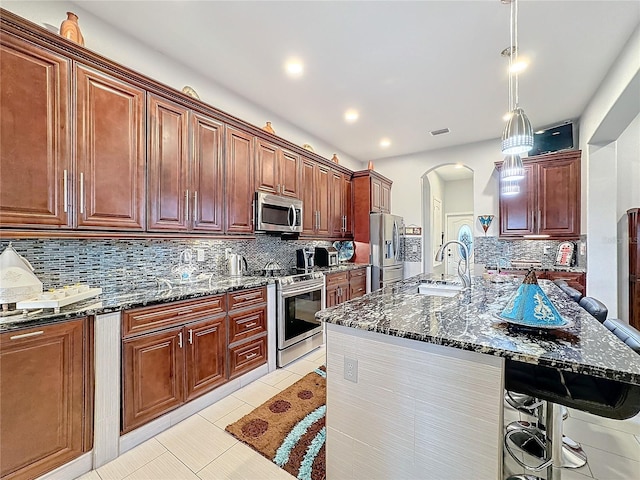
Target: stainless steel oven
(299, 298)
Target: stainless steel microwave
(278, 214)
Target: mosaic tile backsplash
(128, 264)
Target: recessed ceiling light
(385, 142)
(539, 132)
(519, 66)
(506, 116)
(458, 166)
(294, 68)
(351, 115)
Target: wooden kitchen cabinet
(239, 181)
(371, 194)
(549, 200)
(205, 343)
(577, 280)
(277, 170)
(35, 134)
(110, 152)
(357, 283)
(185, 169)
(46, 397)
(345, 285)
(342, 205)
(633, 219)
(316, 198)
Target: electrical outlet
(200, 254)
(351, 369)
(546, 249)
(414, 249)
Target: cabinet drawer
(358, 287)
(247, 323)
(146, 319)
(247, 356)
(247, 298)
(359, 273)
(337, 278)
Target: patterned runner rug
(288, 429)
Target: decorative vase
(335, 159)
(268, 128)
(370, 166)
(70, 29)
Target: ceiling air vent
(442, 131)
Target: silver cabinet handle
(65, 190)
(191, 336)
(183, 312)
(195, 206)
(278, 189)
(186, 206)
(26, 335)
(249, 325)
(81, 192)
(539, 220)
(247, 357)
(180, 339)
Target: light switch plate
(200, 254)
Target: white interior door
(458, 225)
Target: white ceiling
(408, 67)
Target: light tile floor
(199, 449)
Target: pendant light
(517, 136)
(509, 188)
(512, 168)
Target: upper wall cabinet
(277, 170)
(342, 205)
(548, 204)
(239, 181)
(371, 194)
(110, 152)
(316, 198)
(35, 136)
(185, 169)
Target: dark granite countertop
(542, 268)
(470, 322)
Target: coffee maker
(304, 258)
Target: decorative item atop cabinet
(306, 146)
(268, 128)
(335, 159)
(548, 205)
(370, 165)
(70, 29)
(191, 92)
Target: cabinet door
(289, 173)
(634, 304)
(559, 197)
(153, 376)
(337, 219)
(385, 197)
(239, 181)
(207, 174)
(308, 194)
(376, 195)
(168, 165)
(347, 205)
(323, 199)
(42, 389)
(267, 167)
(110, 152)
(332, 297)
(35, 136)
(517, 212)
(205, 355)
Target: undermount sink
(439, 289)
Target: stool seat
(574, 294)
(595, 307)
(624, 332)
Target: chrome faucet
(465, 276)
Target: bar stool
(574, 294)
(560, 281)
(595, 307)
(599, 396)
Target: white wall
(458, 196)
(628, 196)
(115, 45)
(434, 190)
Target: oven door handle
(298, 291)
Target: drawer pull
(249, 325)
(250, 296)
(27, 335)
(248, 357)
(183, 312)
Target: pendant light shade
(512, 169)
(517, 137)
(509, 188)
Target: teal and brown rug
(289, 428)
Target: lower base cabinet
(347, 285)
(577, 280)
(46, 399)
(176, 352)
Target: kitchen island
(415, 382)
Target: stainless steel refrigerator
(385, 231)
